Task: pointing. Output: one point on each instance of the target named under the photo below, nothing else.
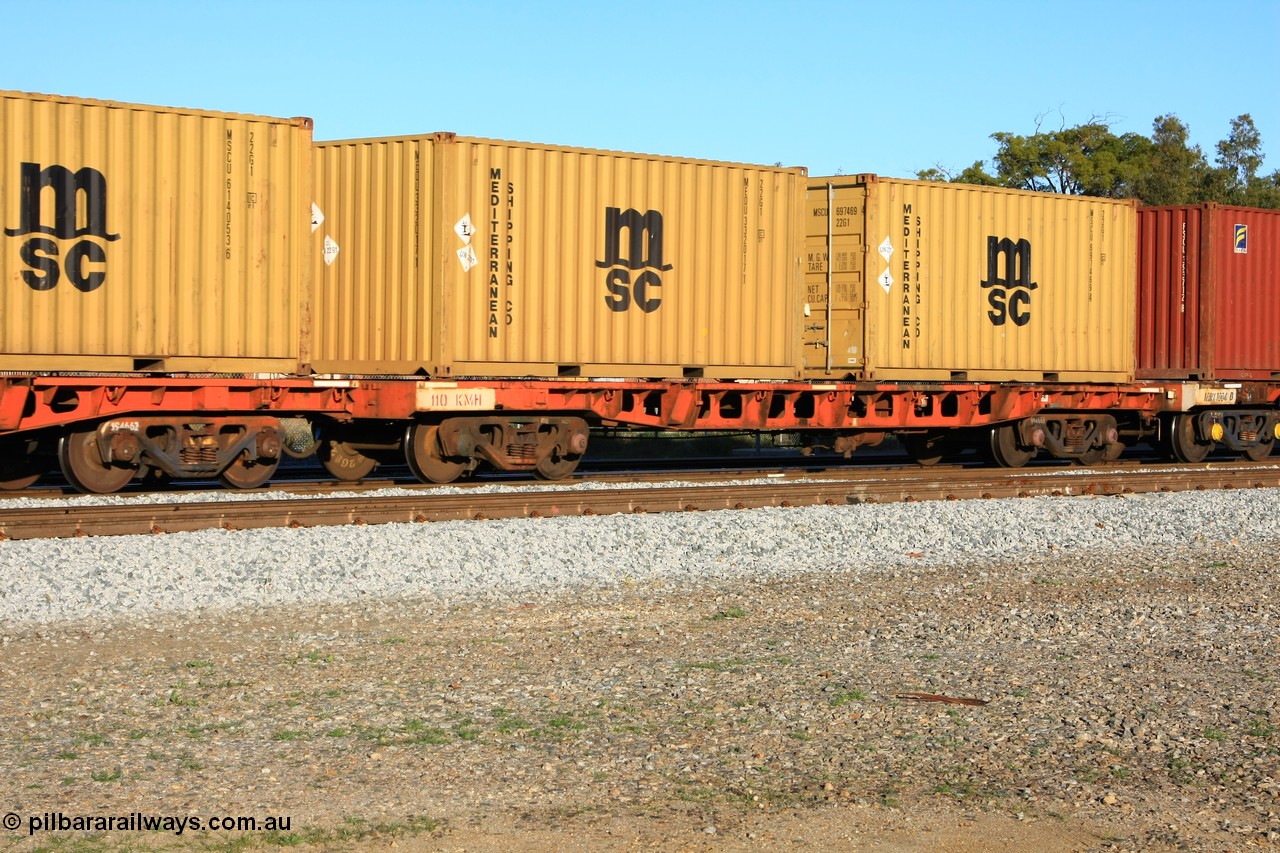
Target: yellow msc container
(150, 238)
(916, 280)
(451, 257)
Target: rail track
(533, 501)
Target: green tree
(1087, 159)
(1176, 172)
(1090, 159)
(1240, 157)
(1236, 180)
(975, 174)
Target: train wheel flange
(927, 448)
(82, 465)
(20, 464)
(12, 481)
(1181, 443)
(1260, 451)
(1092, 456)
(1005, 451)
(244, 473)
(555, 466)
(426, 459)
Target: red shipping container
(1208, 292)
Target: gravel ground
(107, 578)
(729, 680)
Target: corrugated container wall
(938, 281)
(457, 257)
(1208, 292)
(150, 238)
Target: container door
(835, 249)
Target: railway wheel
(245, 473)
(1261, 450)
(1092, 456)
(1111, 448)
(927, 448)
(1180, 440)
(426, 458)
(554, 466)
(1106, 453)
(255, 464)
(20, 464)
(1004, 448)
(343, 461)
(82, 465)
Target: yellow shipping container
(937, 281)
(150, 238)
(455, 257)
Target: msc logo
(79, 213)
(1241, 239)
(644, 252)
(1009, 295)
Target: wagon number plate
(1215, 396)
(437, 398)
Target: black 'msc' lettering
(644, 254)
(1009, 295)
(79, 213)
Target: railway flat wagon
(453, 257)
(150, 239)
(141, 245)
(913, 280)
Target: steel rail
(900, 485)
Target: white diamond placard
(317, 217)
(467, 257)
(886, 249)
(886, 280)
(330, 250)
(464, 229)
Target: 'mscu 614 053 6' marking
(42, 254)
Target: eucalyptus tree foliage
(1165, 168)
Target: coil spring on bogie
(522, 452)
(198, 454)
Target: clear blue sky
(887, 87)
